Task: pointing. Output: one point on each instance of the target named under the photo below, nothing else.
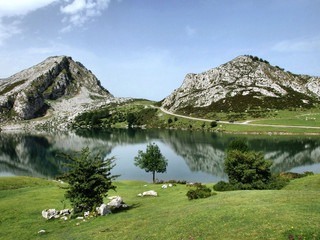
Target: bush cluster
(201, 191)
(170, 181)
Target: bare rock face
(244, 81)
(29, 93)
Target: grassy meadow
(291, 213)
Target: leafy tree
(131, 119)
(89, 179)
(152, 160)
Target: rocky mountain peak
(27, 94)
(241, 83)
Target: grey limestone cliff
(58, 87)
(243, 82)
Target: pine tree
(89, 179)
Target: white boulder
(150, 193)
(65, 212)
(51, 213)
(117, 202)
(103, 210)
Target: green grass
(308, 119)
(234, 128)
(227, 215)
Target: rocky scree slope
(244, 83)
(58, 87)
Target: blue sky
(144, 48)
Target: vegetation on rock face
(12, 86)
(89, 179)
(152, 160)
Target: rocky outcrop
(242, 83)
(58, 87)
(24, 95)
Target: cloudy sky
(144, 48)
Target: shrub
(277, 182)
(307, 173)
(222, 186)
(213, 124)
(247, 168)
(292, 175)
(194, 184)
(89, 179)
(200, 192)
(182, 181)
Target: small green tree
(213, 124)
(131, 118)
(248, 169)
(89, 179)
(152, 160)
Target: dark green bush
(277, 182)
(222, 186)
(307, 173)
(213, 124)
(200, 192)
(292, 175)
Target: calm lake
(192, 156)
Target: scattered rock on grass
(103, 210)
(42, 231)
(116, 202)
(150, 193)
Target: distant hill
(58, 87)
(242, 84)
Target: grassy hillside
(291, 212)
(144, 113)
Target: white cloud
(80, 11)
(8, 30)
(13, 9)
(76, 13)
(9, 8)
(304, 45)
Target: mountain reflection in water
(193, 156)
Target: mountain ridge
(57, 87)
(241, 83)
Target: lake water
(192, 156)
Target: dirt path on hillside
(247, 123)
